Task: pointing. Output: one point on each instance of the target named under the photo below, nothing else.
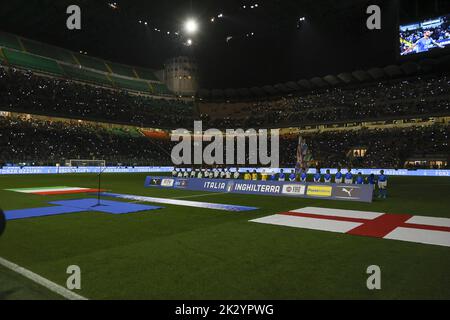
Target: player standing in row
(264, 175)
(327, 177)
(281, 176)
(338, 177)
(349, 177)
(303, 175)
(359, 178)
(382, 185)
(317, 176)
(292, 176)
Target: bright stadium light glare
(191, 26)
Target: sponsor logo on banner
(362, 193)
(293, 189)
(347, 192)
(181, 183)
(155, 182)
(319, 191)
(167, 182)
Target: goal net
(86, 163)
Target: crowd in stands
(385, 148)
(26, 92)
(393, 99)
(48, 142)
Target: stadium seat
(121, 69)
(86, 75)
(146, 74)
(9, 41)
(33, 62)
(91, 62)
(48, 51)
(135, 85)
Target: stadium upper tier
(36, 56)
(403, 98)
(357, 77)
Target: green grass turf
(191, 253)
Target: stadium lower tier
(49, 142)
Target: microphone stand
(99, 186)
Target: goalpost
(101, 164)
(86, 163)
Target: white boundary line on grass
(56, 288)
(200, 195)
(186, 197)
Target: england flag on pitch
(404, 227)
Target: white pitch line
(56, 288)
(200, 195)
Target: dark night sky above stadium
(333, 38)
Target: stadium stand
(9, 41)
(82, 74)
(2, 57)
(32, 62)
(30, 93)
(92, 63)
(48, 51)
(121, 69)
(159, 88)
(128, 84)
(33, 55)
(47, 142)
(146, 74)
(50, 142)
(385, 148)
(392, 99)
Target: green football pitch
(192, 253)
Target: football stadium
(225, 151)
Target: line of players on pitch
(339, 177)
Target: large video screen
(425, 36)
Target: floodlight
(191, 26)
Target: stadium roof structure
(408, 68)
(25, 53)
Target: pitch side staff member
(2, 222)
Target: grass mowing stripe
(56, 288)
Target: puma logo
(348, 191)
